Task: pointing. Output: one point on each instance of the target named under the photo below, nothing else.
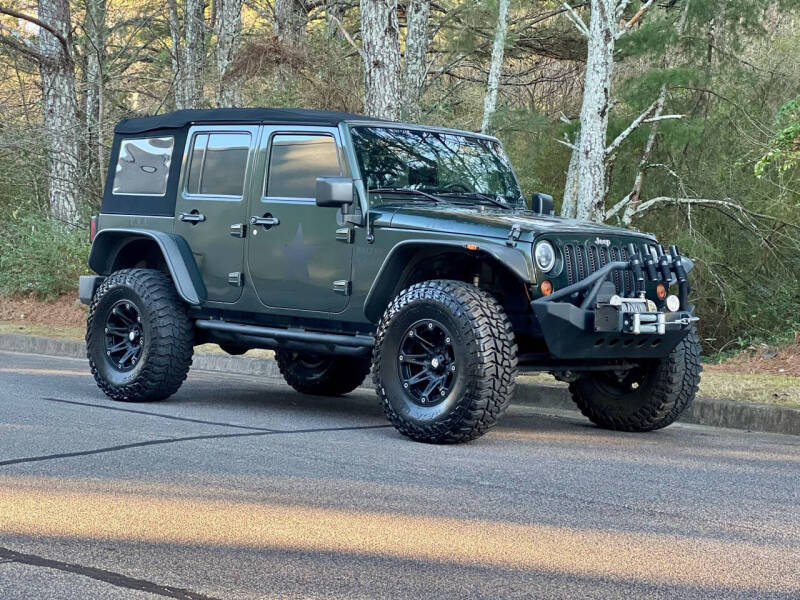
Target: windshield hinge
(513, 235)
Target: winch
(629, 315)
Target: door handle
(192, 217)
(265, 221)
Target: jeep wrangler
(347, 244)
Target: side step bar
(300, 339)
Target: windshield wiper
(405, 191)
(477, 195)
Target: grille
(581, 260)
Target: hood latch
(513, 235)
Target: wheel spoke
(128, 354)
(421, 376)
(123, 317)
(114, 330)
(424, 343)
(430, 387)
(119, 346)
(415, 359)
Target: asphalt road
(235, 488)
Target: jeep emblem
(601, 242)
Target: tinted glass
(295, 163)
(143, 166)
(458, 167)
(217, 164)
(196, 163)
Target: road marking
(29, 371)
(115, 579)
(36, 509)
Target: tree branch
(635, 18)
(631, 128)
(349, 39)
(18, 15)
(663, 118)
(576, 19)
(21, 46)
(569, 145)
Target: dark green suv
(348, 245)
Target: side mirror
(334, 191)
(542, 204)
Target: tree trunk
(381, 47)
(334, 14)
(594, 112)
(291, 19)
(60, 112)
(417, 14)
(569, 206)
(228, 26)
(496, 67)
(95, 59)
(178, 60)
(195, 53)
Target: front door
(294, 257)
(210, 212)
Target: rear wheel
(139, 339)
(648, 397)
(321, 375)
(444, 362)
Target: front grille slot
(581, 260)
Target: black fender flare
(514, 258)
(176, 252)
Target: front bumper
(585, 321)
(572, 332)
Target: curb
(703, 411)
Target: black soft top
(289, 116)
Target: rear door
(211, 208)
(298, 261)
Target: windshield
(450, 166)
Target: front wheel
(647, 397)
(444, 362)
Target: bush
(40, 257)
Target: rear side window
(295, 162)
(217, 164)
(143, 166)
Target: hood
(483, 221)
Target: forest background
(679, 117)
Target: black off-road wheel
(648, 397)
(139, 338)
(322, 375)
(445, 362)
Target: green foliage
(784, 148)
(39, 257)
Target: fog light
(661, 291)
(673, 304)
(546, 288)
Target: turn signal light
(546, 288)
(661, 291)
(471, 246)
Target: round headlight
(545, 256)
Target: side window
(143, 166)
(217, 164)
(295, 162)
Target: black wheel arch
(119, 248)
(413, 261)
